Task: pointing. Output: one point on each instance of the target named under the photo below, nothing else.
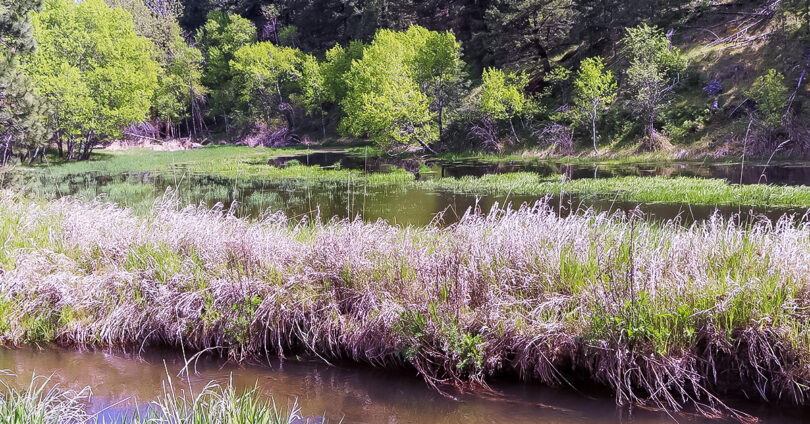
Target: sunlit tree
(502, 96)
(594, 90)
(96, 72)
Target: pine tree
(21, 109)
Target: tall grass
(661, 314)
(45, 403)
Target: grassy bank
(44, 403)
(662, 315)
(685, 190)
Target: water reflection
(399, 205)
(120, 382)
(736, 173)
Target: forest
(565, 77)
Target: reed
(662, 314)
(45, 403)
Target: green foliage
(180, 64)
(594, 90)
(97, 73)
(21, 109)
(219, 39)
(770, 94)
(385, 99)
(264, 76)
(337, 65)
(502, 93)
(179, 83)
(438, 64)
(653, 72)
(313, 85)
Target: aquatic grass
(662, 314)
(143, 160)
(679, 190)
(41, 403)
(44, 402)
(243, 164)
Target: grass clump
(660, 313)
(44, 403)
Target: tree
(180, 87)
(438, 64)
(654, 72)
(264, 76)
(390, 90)
(219, 39)
(528, 32)
(98, 75)
(313, 88)
(21, 108)
(594, 91)
(336, 66)
(502, 95)
(770, 94)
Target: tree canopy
(97, 73)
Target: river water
(121, 382)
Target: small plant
(770, 94)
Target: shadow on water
(121, 383)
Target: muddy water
(121, 382)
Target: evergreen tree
(21, 109)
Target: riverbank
(661, 315)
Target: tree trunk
(323, 124)
(6, 150)
(439, 101)
(593, 122)
(427, 147)
(514, 133)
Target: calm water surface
(394, 204)
(122, 382)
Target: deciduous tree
(502, 95)
(264, 76)
(770, 94)
(594, 90)
(397, 92)
(219, 39)
(96, 72)
(653, 72)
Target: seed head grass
(45, 403)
